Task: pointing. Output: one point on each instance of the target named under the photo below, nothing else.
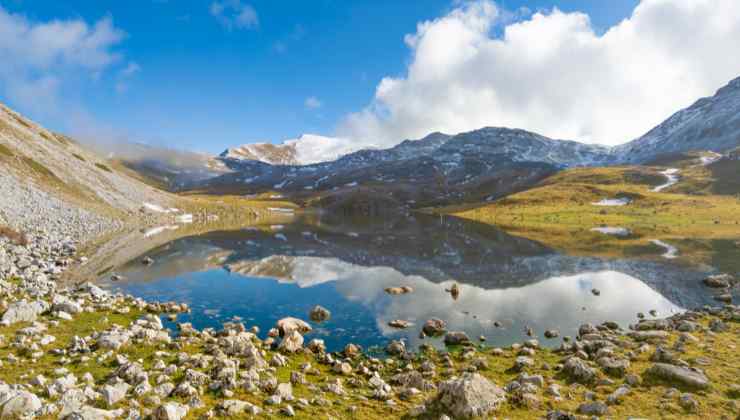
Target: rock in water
(434, 327)
(456, 337)
(470, 396)
(399, 323)
(677, 375)
(319, 314)
(402, 290)
(718, 281)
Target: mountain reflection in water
(259, 276)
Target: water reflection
(260, 275)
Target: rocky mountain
(710, 124)
(436, 169)
(305, 150)
(50, 182)
(480, 164)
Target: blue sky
(198, 83)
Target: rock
(472, 395)
(395, 348)
(24, 311)
(399, 323)
(113, 339)
(352, 350)
(618, 395)
(688, 402)
(317, 345)
(719, 281)
(319, 314)
(19, 404)
(434, 327)
(402, 290)
(595, 408)
(170, 411)
(292, 342)
(287, 325)
(114, 393)
(235, 408)
(91, 413)
(559, 415)
(454, 291)
(578, 371)
(522, 362)
(648, 335)
(552, 333)
(677, 375)
(614, 366)
(455, 338)
(147, 261)
(724, 298)
(596, 292)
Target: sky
(207, 75)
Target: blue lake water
(260, 275)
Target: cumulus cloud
(312, 102)
(40, 58)
(233, 14)
(551, 72)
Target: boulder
(170, 411)
(287, 325)
(20, 404)
(24, 311)
(678, 376)
(434, 327)
(472, 395)
(456, 337)
(579, 371)
(291, 342)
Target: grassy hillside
(561, 212)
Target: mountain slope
(50, 182)
(711, 123)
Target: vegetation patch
(41, 170)
(79, 157)
(103, 167)
(18, 238)
(5, 150)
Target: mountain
(52, 183)
(710, 124)
(482, 164)
(305, 150)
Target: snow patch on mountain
(307, 149)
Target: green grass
(560, 213)
(41, 170)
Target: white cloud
(233, 14)
(131, 69)
(40, 58)
(552, 73)
(312, 102)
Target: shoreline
(88, 353)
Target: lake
(507, 284)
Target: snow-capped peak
(304, 150)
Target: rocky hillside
(711, 124)
(50, 182)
